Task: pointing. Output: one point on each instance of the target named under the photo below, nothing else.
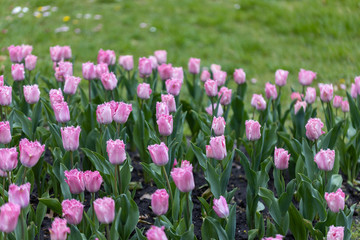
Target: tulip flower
(270, 91)
(221, 207)
(277, 237)
(72, 211)
(109, 81)
(156, 233)
(61, 111)
(59, 230)
(165, 124)
(314, 129)
(70, 137)
(194, 65)
(211, 88)
(258, 102)
(173, 86)
(9, 215)
(239, 76)
(298, 105)
(75, 180)
(105, 210)
(205, 75)
(71, 84)
(145, 68)
(127, 62)
(18, 72)
(210, 108)
(353, 91)
(122, 112)
(116, 151)
(183, 177)
(31, 94)
(161, 108)
(335, 233)
(215, 67)
(160, 202)
(326, 92)
(336, 200)
(337, 101)
(281, 77)
(281, 158)
(161, 56)
(64, 69)
(159, 154)
(15, 54)
(297, 96)
(218, 147)
(56, 96)
(178, 73)
(310, 95)
(219, 77)
(345, 106)
(165, 71)
(30, 152)
(5, 133)
(30, 62)
(1, 80)
(106, 56)
(104, 114)
(154, 63)
(89, 71)
(144, 91)
(93, 181)
(218, 125)
(170, 102)
(9, 159)
(306, 77)
(325, 159)
(20, 195)
(225, 95)
(101, 68)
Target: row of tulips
(122, 114)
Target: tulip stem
(187, 218)
(212, 108)
(92, 203)
(9, 178)
(23, 178)
(325, 179)
(253, 156)
(108, 231)
(168, 183)
(89, 91)
(115, 182)
(72, 159)
(316, 148)
(3, 190)
(118, 167)
(113, 95)
(128, 73)
(5, 236)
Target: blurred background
(258, 36)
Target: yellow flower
(66, 18)
(40, 8)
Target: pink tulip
(165, 71)
(101, 69)
(15, 53)
(9, 215)
(357, 84)
(31, 93)
(5, 95)
(218, 147)
(252, 130)
(116, 151)
(59, 230)
(277, 237)
(306, 77)
(160, 202)
(64, 69)
(9, 159)
(194, 65)
(109, 81)
(218, 125)
(127, 62)
(1, 80)
(72, 211)
(89, 71)
(159, 154)
(165, 124)
(170, 102)
(297, 96)
(353, 90)
(104, 114)
(30, 152)
(161, 56)
(270, 91)
(325, 159)
(30, 62)
(20, 195)
(211, 88)
(335, 200)
(313, 129)
(220, 77)
(18, 72)
(122, 112)
(298, 105)
(173, 86)
(209, 153)
(3, 174)
(225, 95)
(281, 158)
(345, 106)
(239, 76)
(70, 137)
(337, 101)
(156, 233)
(93, 181)
(75, 180)
(144, 91)
(326, 92)
(178, 73)
(106, 56)
(153, 61)
(281, 77)
(145, 68)
(105, 210)
(335, 233)
(205, 75)
(56, 96)
(310, 96)
(258, 102)
(220, 111)
(66, 52)
(161, 108)
(5, 133)
(183, 177)
(61, 111)
(71, 84)
(56, 53)
(221, 207)
(215, 67)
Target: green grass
(260, 37)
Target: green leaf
(309, 160)
(201, 157)
(211, 229)
(297, 226)
(74, 233)
(53, 204)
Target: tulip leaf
(311, 167)
(201, 157)
(296, 225)
(53, 204)
(231, 222)
(211, 229)
(354, 112)
(74, 233)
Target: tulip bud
(160, 202)
(170, 102)
(225, 95)
(64, 69)
(1, 80)
(325, 159)
(101, 69)
(239, 76)
(154, 63)
(345, 106)
(335, 233)
(71, 84)
(252, 130)
(5, 134)
(313, 129)
(178, 73)
(220, 77)
(326, 92)
(145, 67)
(258, 102)
(156, 233)
(20, 195)
(161, 108)
(209, 153)
(165, 71)
(66, 52)
(218, 147)
(194, 65)
(70, 137)
(165, 124)
(205, 75)
(183, 177)
(30, 152)
(281, 158)
(15, 54)
(56, 53)
(211, 88)
(281, 77)
(105, 210)
(336, 200)
(75, 180)
(59, 230)
(56, 96)
(104, 114)
(122, 112)
(354, 91)
(218, 125)
(109, 81)
(310, 96)
(219, 112)
(337, 101)
(127, 62)
(89, 71)
(297, 96)
(5, 95)
(9, 215)
(144, 91)
(221, 207)
(306, 77)
(72, 211)
(173, 86)
(270, 91)
(159, 154)
(30, 62)
(93, 181)
(8, 158)
(116, 151)
(106, 56)
(61, 111)
(298, 105)
(18, 72)
(215, 67)
(161, 56)
(31, 93)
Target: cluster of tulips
(88, 137)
